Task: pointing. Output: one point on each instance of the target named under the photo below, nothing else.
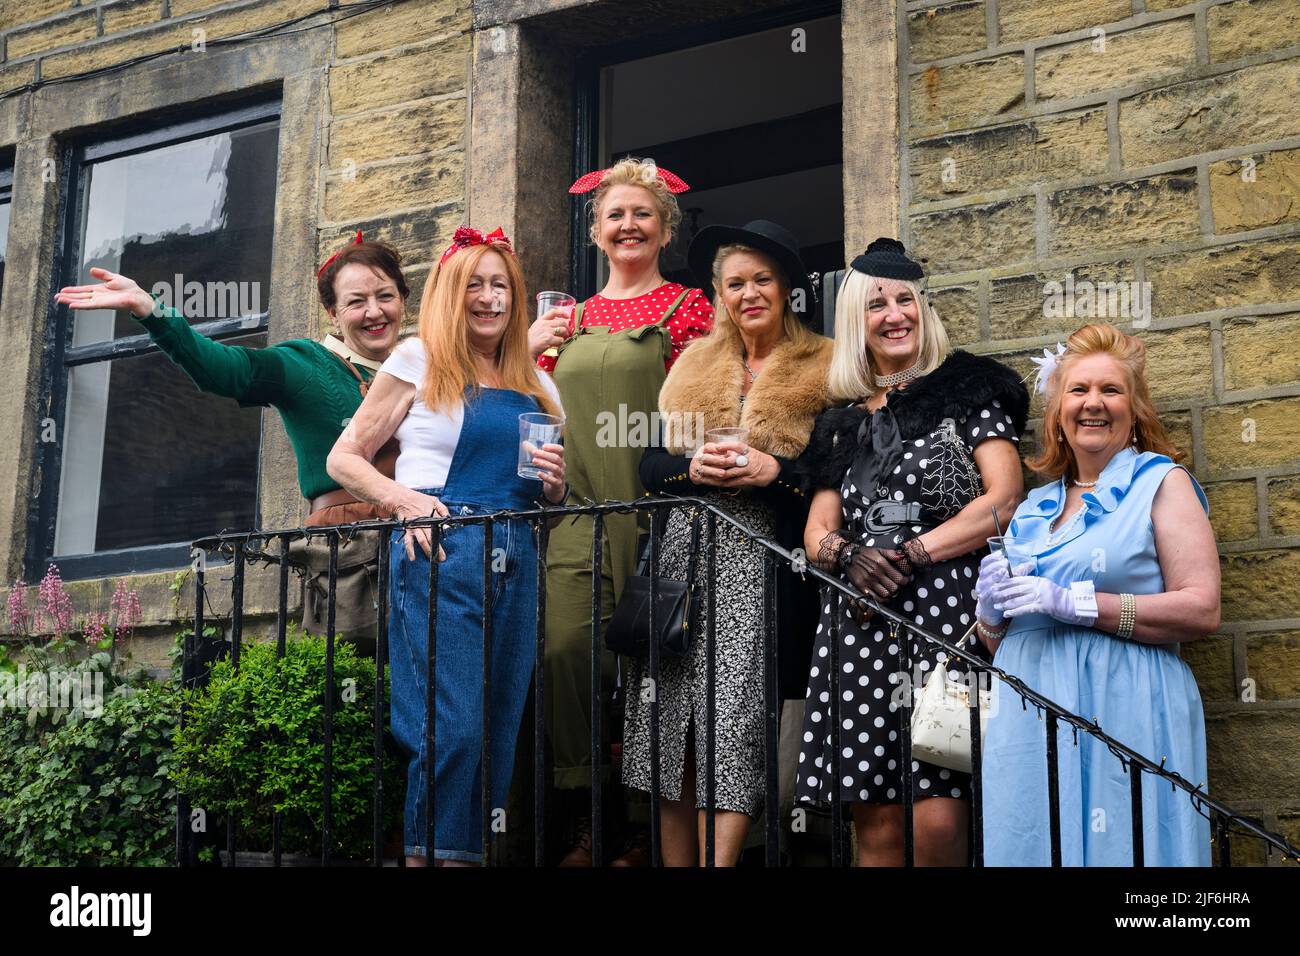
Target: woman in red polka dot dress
(613, 358)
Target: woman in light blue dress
(1115, 564)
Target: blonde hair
(1057, 459)
(725, 336)
(853, 372)
(444, 330)
(635, 172)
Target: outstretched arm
(230, 371)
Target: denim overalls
(482, 478)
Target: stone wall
(1153, 142)
(373, 136)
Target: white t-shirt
(429, 439)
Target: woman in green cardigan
(316, 386)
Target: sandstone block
(424, 181)
(1024, 306)
(1211, 661)
(1253, 434)
(417, 236)
(1178, 363)
(1250, 26)
(1028, 19)
(1258, 190)
(958, 309)
(1284, 505)
(73, 29)
(133, 13)
(1273, 662)
(1232, 275)
(1251, 105)
(392, 26)
(1252, 756)
(1124, 213)
(1233, 512)
(1260, 585)
(411, 75)
(956, 95)
(972, 237)
(29, 11)
(1261, 351)
(946, 31)
(1003, 157)
(416, 129)
(1110, 61)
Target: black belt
(885, 516)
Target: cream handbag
(941, 721)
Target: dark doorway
(748, 113)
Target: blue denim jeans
(458, 661)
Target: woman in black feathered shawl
(905, 473)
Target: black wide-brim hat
(768, 237)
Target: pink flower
(125, 610)
(55, 601)
(96, 628)
(20, 615)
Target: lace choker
(898, 378)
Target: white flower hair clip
(1046, 366)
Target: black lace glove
(834, 550)
(914, 555)
(878, 571)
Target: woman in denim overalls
(457, 421)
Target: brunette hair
(444, 330)
(635, 172)
(377, 255)
(853, 369)
(1057, 458)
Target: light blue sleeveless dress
(1141, 694)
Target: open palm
(114, 292)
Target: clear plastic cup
(546, 301)
(1016, 553)
(535, 430)
(733, 439)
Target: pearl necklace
(1063, 530)
(898, 378)
(1083, 484)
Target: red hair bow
(590, 181)
(324, 265)
(467, 236)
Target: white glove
(1031, 594)
(993, 571)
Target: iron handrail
(240, 542)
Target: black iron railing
(245, 546)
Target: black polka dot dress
(940, 598)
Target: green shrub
(88, 786)
(254, 743)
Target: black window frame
(59, 355)
(586, 133)
(6, 193)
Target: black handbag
(629, 629)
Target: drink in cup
(546, 301)
(731, 439)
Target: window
(6, 193)
(748, 113)
(142, 462)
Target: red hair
(444, 329)
(1056, 459)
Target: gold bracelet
(1127, 617)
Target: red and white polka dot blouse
(693, 318)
